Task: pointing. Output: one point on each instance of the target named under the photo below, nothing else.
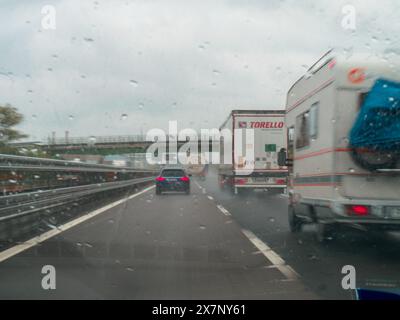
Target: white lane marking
(197, 184)
(223, 210)
(6, 254)
(209, 197)
(272, 256)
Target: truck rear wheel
(325, 232)
(295, 222)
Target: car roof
(173, 168)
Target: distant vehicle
(269, 139)
(197, 166)
(344, 137)
(173, 179)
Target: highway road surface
(207, 245)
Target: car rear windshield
(173, 173)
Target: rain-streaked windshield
(194, 150)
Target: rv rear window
(302, 130)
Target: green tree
(10, 117)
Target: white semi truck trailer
(256, 139)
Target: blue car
(172, 179)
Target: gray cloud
(193, 60)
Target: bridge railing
(111, 139)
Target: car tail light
(159, 179)
(358, 210)
(185, 178)
(280, 181)
(240, 181)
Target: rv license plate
(260, 179)
(393, 212)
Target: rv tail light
(240, 181)
(185, 178)
(159, 179)
(280, 181)
(358, 210)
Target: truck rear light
(159, 179)
(185, 178)
(358, 210)
(280, 181)
(240, 180)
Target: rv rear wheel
(294, 222)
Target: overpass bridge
(116, 144)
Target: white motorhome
(332, 183)
(254, 164)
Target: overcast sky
(119, 67)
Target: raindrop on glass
(134, 83)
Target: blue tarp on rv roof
(378, 123)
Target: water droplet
(71, 117)
(92, 139)
(313, 257)
(88, 39)
(351, 170)
(202, 227)
(134, 83)
(34, 116)
(124, 116)
(141, 105)
(216, 72)
(129, 269)
(271, 219)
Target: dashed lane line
(272, 256)
(197, 184)
(223, 210)
(6, 254)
